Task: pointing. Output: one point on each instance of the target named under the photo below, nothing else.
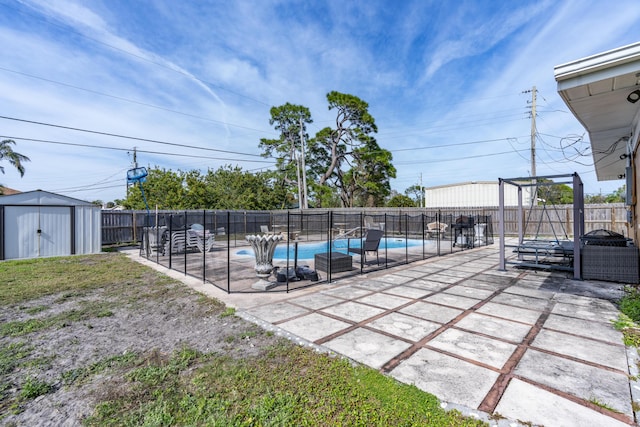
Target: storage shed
(42, 224)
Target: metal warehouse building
(471, 194)
(42, 224)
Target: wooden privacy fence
(126, 226)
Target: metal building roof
(41, 198)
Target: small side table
(339, 262)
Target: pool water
(308, 250)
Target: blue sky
(445, 81)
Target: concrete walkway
(520, 346)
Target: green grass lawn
(284, 385)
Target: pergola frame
(578, 213)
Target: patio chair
(480, 237)
(155, 240)
(370, 225)
(437, 228)
(371, 243)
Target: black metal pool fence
(212, 245)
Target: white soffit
(596, 89)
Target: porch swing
(544, 249)
(549, 247)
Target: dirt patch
(76, 332)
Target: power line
(459, 158)
(453, 144)
(90, 189)
(166, 67)
(129, 137)
(127, 149)
(130, 100)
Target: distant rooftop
(6, 191)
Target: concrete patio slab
(495, 327)
(596, 314)
(521, 301)
(353, 311)
(578, 379)
(581, 348)
(384, 301)
(528, 403)
(277, 312)
(444, 278)
(448, 378)
(316, 301)
(368, 347)
(529, 291)
(480, 284)
(591, 329)
(496, 279)
(414, 274)
(314, 326)
(452, 300)
(407, 291)
(467, 345)
(428, 285)
(374, 285)
(404, 326)
(394, 279)
(470, 292)
(459, 274)
(432, 312)
(347, 292)
(509, 312)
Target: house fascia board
(598, 67)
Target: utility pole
(423, 199)
(305, 203)
(533, 131)
(533, 142)
(135, 166)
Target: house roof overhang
(597, 89)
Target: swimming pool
(308, 250)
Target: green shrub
(630, 304)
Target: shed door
(37, 231)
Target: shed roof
(41, 198)
(599, 91)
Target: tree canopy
(14, 158)
(344, 164)
(290, 120)
(227, 188)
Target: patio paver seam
(391, 364)
(492, 398)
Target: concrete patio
(509, 347)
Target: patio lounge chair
(200, 238)
(371, 243)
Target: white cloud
(433, 74)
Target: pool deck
(515, 347)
